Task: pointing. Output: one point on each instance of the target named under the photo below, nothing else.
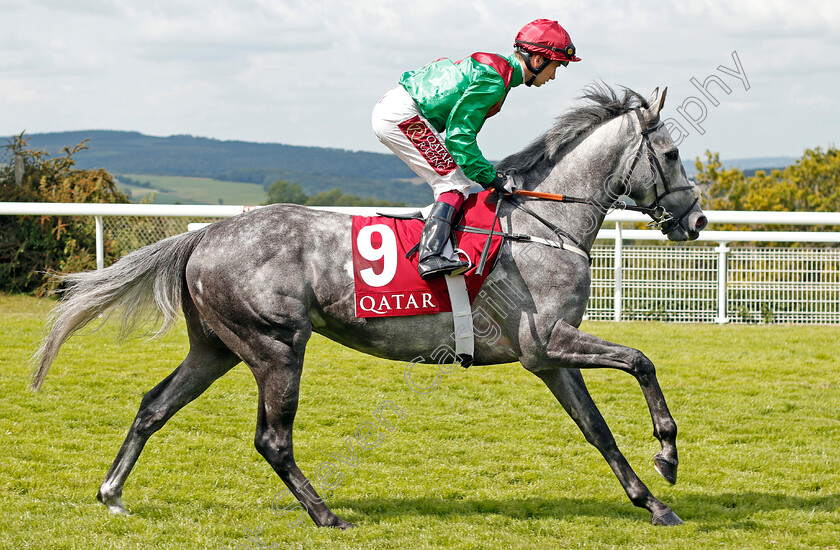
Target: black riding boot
(436, 232)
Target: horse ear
(662, 99)
(656, 102)
(653, 97)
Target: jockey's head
(543, 45)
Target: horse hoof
(116, 508)
(114, 504)
(668, 519)
(344, 525)
(666, 468)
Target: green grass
(191, 190)
(488, 460)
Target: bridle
(662, 218)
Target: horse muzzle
(689, 228)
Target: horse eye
(673, 154)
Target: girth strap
(527, 239)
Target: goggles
(568, 51)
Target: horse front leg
(570, 389)
(568, 347)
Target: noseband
(662, 218)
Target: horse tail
(143, 286)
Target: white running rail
(676, 282)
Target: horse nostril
(701, 223)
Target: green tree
(31, 246)
(282, 191)
(723, 189)
(811, 184)
(336, 198)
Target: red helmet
(548, 39)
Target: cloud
(776, 16)
(799, 95)
(813, 101)
(309, 72)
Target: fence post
(619, 249)
(20, 169)
(723, 260)
(100, 243)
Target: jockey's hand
(502, 183)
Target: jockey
(456, 98)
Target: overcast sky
(309, 72)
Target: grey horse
(253, 288)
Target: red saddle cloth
(387, 283)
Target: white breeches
(398, 124)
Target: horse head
(656, 180)
(613, 146)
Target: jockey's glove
(502, 183)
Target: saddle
(385, 275)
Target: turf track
(488, 460)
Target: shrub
(33, 246)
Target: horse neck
(588, 171)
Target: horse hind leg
(569, 388)
(274, 352)
(204, 364)
(278, 380)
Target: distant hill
(748, 165)
(315, 169)
(760, 163)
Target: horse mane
(603, 104)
